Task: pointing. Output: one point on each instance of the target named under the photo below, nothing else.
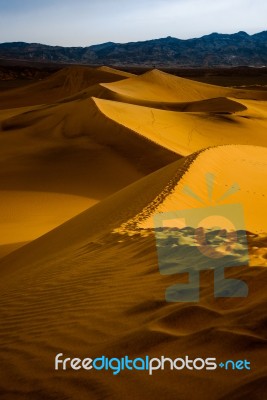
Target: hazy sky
(85, 22)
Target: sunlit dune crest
(88, 158)
(63, 83)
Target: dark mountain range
(214, 50)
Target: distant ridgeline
(214, 50)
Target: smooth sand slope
(63, 83)
(245, 166)
(186, 132)
(159, 86)
(116, 71)
(121, 153)
(114, 123)
(160, 90)
(85, 290)
(57, 161)
(50, 171)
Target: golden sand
(88, 283)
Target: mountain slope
(210, 50)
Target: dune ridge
(221, 161)
(84, 251)
(88, 283)
(116, 71)
(156, 85)
(61, 84)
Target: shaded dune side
(54, 291)
(47, 177)
(117, 126)
(215, 105)
(250, 388)
(95, 222)
(26, 215)
(63, 83)
(49, 154)
(152, 89)
(9, 248)
(157, 85)
(84, 118)
(86, 291)
(212, 105)
(130, 206)
(116, 71)
(77, 166)
(224, 163)
(185, 133)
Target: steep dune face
(63, 83)
(84, 132)
(179, 132)
(26, 215)
(162, 87)
(116, 71)
(91, 285)
(184, 132)
(41, 187)
(109, 293)
(71, 154)
(85, 118)
(157, 86)
(220, 105)
(223, 164)
(163, 191)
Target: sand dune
(116, 71)
(80, 267)
(59, 85)
(223, 162)
(180, 132)
(162, 87)
(66, 149)
(45, 181)
(88, 284)
(185, 133)
(118, 213)
(6, 249)
(157, 86)
(27, 215)
(211, 105)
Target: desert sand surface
(83, 173)
(116, 71)
(156, 85)
(61, 84)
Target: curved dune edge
(244, 165)
(26, 215)
(6, 249)
(84, 291)
(216, 104)
(85, 118)
(61, 84)
(116, 71)
(157, 85)
(130, 211)
(154, 88)
(160, 86)
(185, 133)
(179, 132)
